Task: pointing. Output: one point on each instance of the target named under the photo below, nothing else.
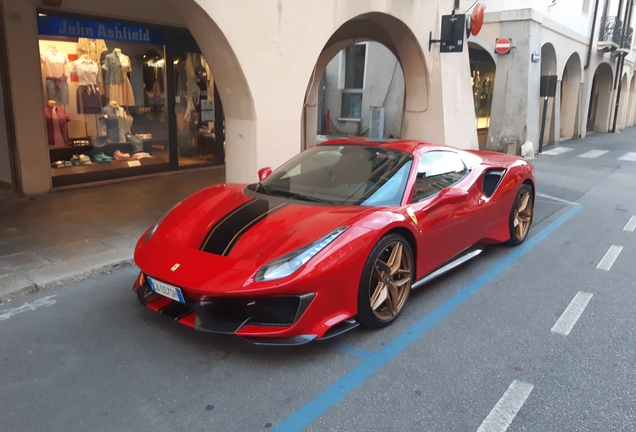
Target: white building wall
(384, 86)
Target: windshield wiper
(260, 187)
(297, 196)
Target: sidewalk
(70, 235)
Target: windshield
(342, 175)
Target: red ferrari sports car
(336, 237)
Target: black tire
(517, 236)
(374, 270)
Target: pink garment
(56, 129)
(58, 137)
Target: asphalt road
(535, 338)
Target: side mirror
(263, 173)
(448, 196)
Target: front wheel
(521, 215)
(386, 282)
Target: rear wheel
(521, 215)
(386, 282)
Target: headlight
(288, 264)
(153, 230)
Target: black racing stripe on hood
(227, 232)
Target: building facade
(197, 82)
(572, 60)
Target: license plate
(166, 290)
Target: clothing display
(93, 92)
(54, 69)
(116, 66)
(56, 128)
(87, 97)
(93, 47)
(117, 123)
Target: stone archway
(632, 102)
(548, 68)
(570, 90)
(483, 69)
(600, 99)
(234, 91)
(396, 36)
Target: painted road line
(557, 151)
(343, 386)
(571, 315)
(593, 154)
(351, 350)
(631, 225)
(542, 195)
(41, 302)
(609, 258)
(629, 156)
(507, 408)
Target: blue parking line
(351, 350)
(549, 202)
(338, 390)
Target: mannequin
(54, 69)
(117, 122)
(56, 120)
(87, 97)
(116, 67)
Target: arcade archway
(598, 113)
(570, 89)
(400, 41)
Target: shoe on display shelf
(121, 156)
(141, 155)
(102, 158)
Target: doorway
(198, 112)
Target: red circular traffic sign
(502, 46)
(477, 18)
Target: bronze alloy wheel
(523, 213)
(392, 276)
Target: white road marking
(41, 302)
(570, 316)
(507, 408)
(555, 198)
(629, 156)
(593, 154)
(631, 225)
(557, 151)
(609, 258)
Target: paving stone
(25, 259)
(75, 250)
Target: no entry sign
(503, 45)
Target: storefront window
(198, 136)
(104, 87)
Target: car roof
(408, 146)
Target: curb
(36, 282)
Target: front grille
(266, 311)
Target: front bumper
(228, 315)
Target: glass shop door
(200, 137)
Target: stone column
(514, 115)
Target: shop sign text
(74, 28)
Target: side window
(437, 170)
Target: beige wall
(5, 164)
(262, 54)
